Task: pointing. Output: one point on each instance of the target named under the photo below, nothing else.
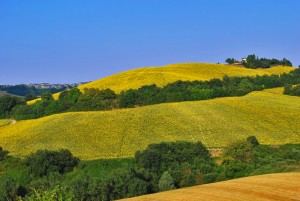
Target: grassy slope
(283, 186)
(163, 75)
(272, 117)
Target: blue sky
(67, 41)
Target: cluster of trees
(43, 168)
(160, 167)
(254, 62)
(95, 99)
(7, 103)
(292, 90)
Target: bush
(252, 140)
(8, 188)
(44, 162)
(240, 150)
(292, 154)
(158, 158)
(166, 182)
(3, 154)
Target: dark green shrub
(252, 140)
(3, 154)
(44, 162)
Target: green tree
(239, 150)
(7, 103)
(68, 98)
(166, 182)
(288, 89)
(128, 98)
(47, 96)
(230, 60)
(253, 141)
(29, 97)
(43, 162)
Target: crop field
(163, 75)
(272, 117)
(280, 187)
(4, 122)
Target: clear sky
(67, 41)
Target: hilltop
(283, 186)
(164, 75)
(269, 115)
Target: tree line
(95, 99)
(160, 167)
(254, 62)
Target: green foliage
(95, 99)
(3, 154)
(230, 60)
(255, 62)
(43, 162)
(235, 169)
(7, 103)
(128, 98)
(58, 193)
(67, 99)
(252, 140)
(104, 168)
(30, 97)
(128, 183)
(166, 182)
(293, 154)
(292, 90)
(47, 96)
(240, 150)
(159, 157)
(181, 164)
(9, 188)
(44, 183)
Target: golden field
(163, 75)
(4, 122)
(280, 187)
(272, 117)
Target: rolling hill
(163, 75)
(269, 115)
(283, 186)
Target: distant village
(48, 86)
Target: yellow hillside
(273, 118)
(4, 122)
(280, 187)
(163, 75)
